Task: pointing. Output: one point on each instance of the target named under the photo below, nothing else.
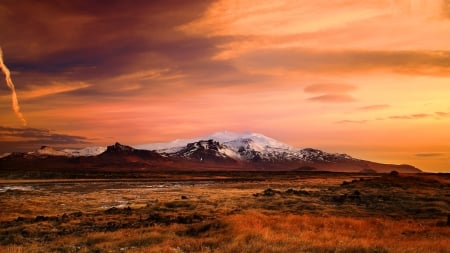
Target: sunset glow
(367, 78)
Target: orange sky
(368, 78)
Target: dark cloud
(26, 139)
(429, 154)
(333, 98)
(98, 39)
(420, 62)
(374, 107)
(329, 88)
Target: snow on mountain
(167, 147)
(45, 150)
(5, 155)
(49, 151)
(88, 151)
(208, 150)
(258, 141)
(235, 141)
(238, 146)
(247, 146)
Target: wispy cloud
(429, 154)
(411, 116)
(374, 107)
(28, 138)
(351, 121)
(333, 98)
(415, 116)
(443, 114)
(304, 60)
(331, 93)
(37, 91)
(329, 88)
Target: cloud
(25, 139)
(414, 116)
(446, 9)
(351, 121)
(331, 93)
(37, 91)
(10, 84)
(443, 114)
(420, 62)
(374, 107)
(329, 88)
(333, 98)
(236, 17)
(429, 154)
(307, 60)
(411, 116)
(91, 42)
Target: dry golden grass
(253, 231)
(233, 216)
(305, 233)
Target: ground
(227, 212)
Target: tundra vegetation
(228, 212)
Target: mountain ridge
(221, 151)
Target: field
(227, 212)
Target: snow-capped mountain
(45, 150)
(5, 155)
(49, 151)
(246, 146)
(207, 150)
(238, 146)
(218, 151)
(232, 140)
(88, 151)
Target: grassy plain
(228, 212)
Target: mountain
(228, 138)
(246, 146)
(207, 151)
(88, 151)
(116, 157)
(218, 151)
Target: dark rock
(64, 217)
(113, 210)
(76, 214)
(112, 226)
(295, 192)
(345, 183)
(184, 219)
(394, 173)
(40, 218)
(269, 192)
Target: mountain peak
(46, 150)
(231, 139)
(220, 150)
(118, 148)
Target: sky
(367, 78)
